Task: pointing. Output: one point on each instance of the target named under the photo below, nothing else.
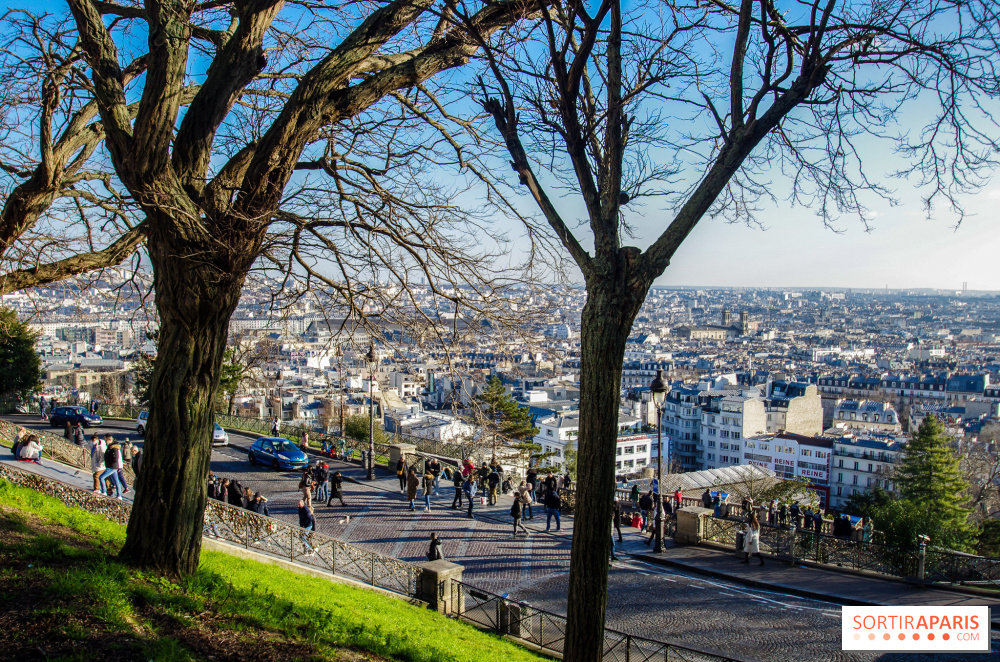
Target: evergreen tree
(931, 482)
(20, 365)
(502, 418)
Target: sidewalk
(809, 582)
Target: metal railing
(59, 449)
(547, 631)
(251, 531)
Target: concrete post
(921, 560)
(691, 525)
(399, 451)
(436, 588)
(791, 541)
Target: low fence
(251, 531)
(547, 631)
(921, 565)
(58, 448)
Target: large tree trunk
(196, 293)
(607, 320)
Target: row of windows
(631, 450)
(628, 464)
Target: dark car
(74, 415)
(277, 452)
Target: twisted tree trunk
(196, 294)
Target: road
(643, 599)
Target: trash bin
(739, 544)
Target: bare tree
(272, 93)
(980, 463)
(715, 106)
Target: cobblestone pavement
(643, 599)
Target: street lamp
(659, 391)
(371, 410)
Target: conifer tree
(502, 418)
(931, 482)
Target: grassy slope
(300, 617)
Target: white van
(140, 422)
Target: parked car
(277, 452)
(74, 415)
(219, 436)
(140, 422)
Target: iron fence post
(921, 560)
(791, 546)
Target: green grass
(244, 596)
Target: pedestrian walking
(412, 483)
(457, 480)
(97, 461)
(304, 442)
(434, 551)
(127, 451)
(306, 487)
(112, 464)
(401, 474)
(469, 487)
(782, 514)
(41, 407)
(275, 426)
(531, 478)
(524, 494)
(428, 482)
(617, 521)
(613, 556)
(646, 505)
(336, 489)
(493, 483)
(552, 505)
(517, 511)
(322, 477)
(634, 495)
(259, 505)
(435, 469)
(307, 520)
(751, 540)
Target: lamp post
(343, 387)
(371, 410)
(659, 391)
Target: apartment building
(865, 415)
(859, 464)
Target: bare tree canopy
(225, 137)
(714, 107)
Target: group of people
(108, 458)
(229, 490)
(318, 483)
(27, 447)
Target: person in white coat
(31, 450)
(97, 467)
(751, 539)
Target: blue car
(277, 452)
(60, 415)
